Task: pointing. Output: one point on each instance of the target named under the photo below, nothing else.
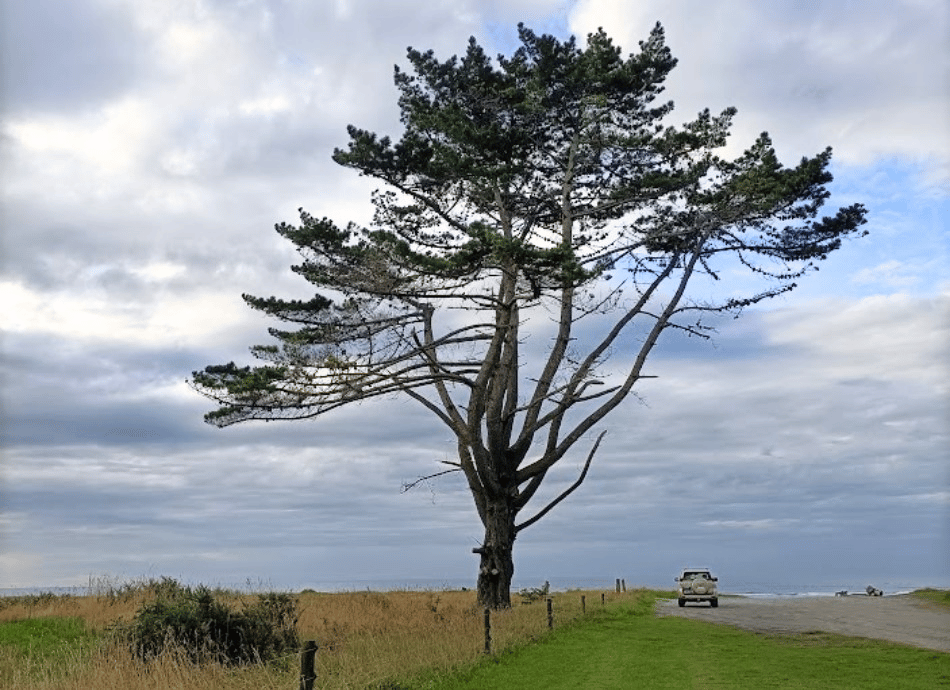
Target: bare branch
(409, 486)
(567, 492)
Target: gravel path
(899, 618)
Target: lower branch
(567, 492)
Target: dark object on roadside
(874, 591)
(842, 593)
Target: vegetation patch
(43, 647)
(532, 594)
(43, 637)
(936, 596)
(204, 629)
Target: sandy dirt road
(899, 618)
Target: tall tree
(544, 184)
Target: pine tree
(544, 184)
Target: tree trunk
(497, 565)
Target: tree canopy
(543, 186)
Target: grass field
(628, 647)
(366, 639)
(935, 596)
(436, 640)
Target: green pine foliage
(553, 167)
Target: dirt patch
(899, 618)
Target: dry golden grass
(366, 639)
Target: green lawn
(41, 637)
(936, 596)
(42, 646)
(630, 648)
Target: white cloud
(763, 524)
(886, 338)
(869, 79)
(86, 316)
(19, 567)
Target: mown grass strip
(630, 648)
(43, 647)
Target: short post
(618, 585)
(583, 604)
(602, 601)
(623, 585)
(308, 672)
(550, 615)
(487, 631)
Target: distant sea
(755, 589)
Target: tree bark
(497, 564)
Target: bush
(529, 595)
(192, 622)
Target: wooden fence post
(308, 673)
(550, 615)
(623, 585)
(487, 631)
(618, 585)
(583, 604)
(602, 601)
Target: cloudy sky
(148, 148)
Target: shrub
(529, 595)
(193, 623)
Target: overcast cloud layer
(149, 147)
